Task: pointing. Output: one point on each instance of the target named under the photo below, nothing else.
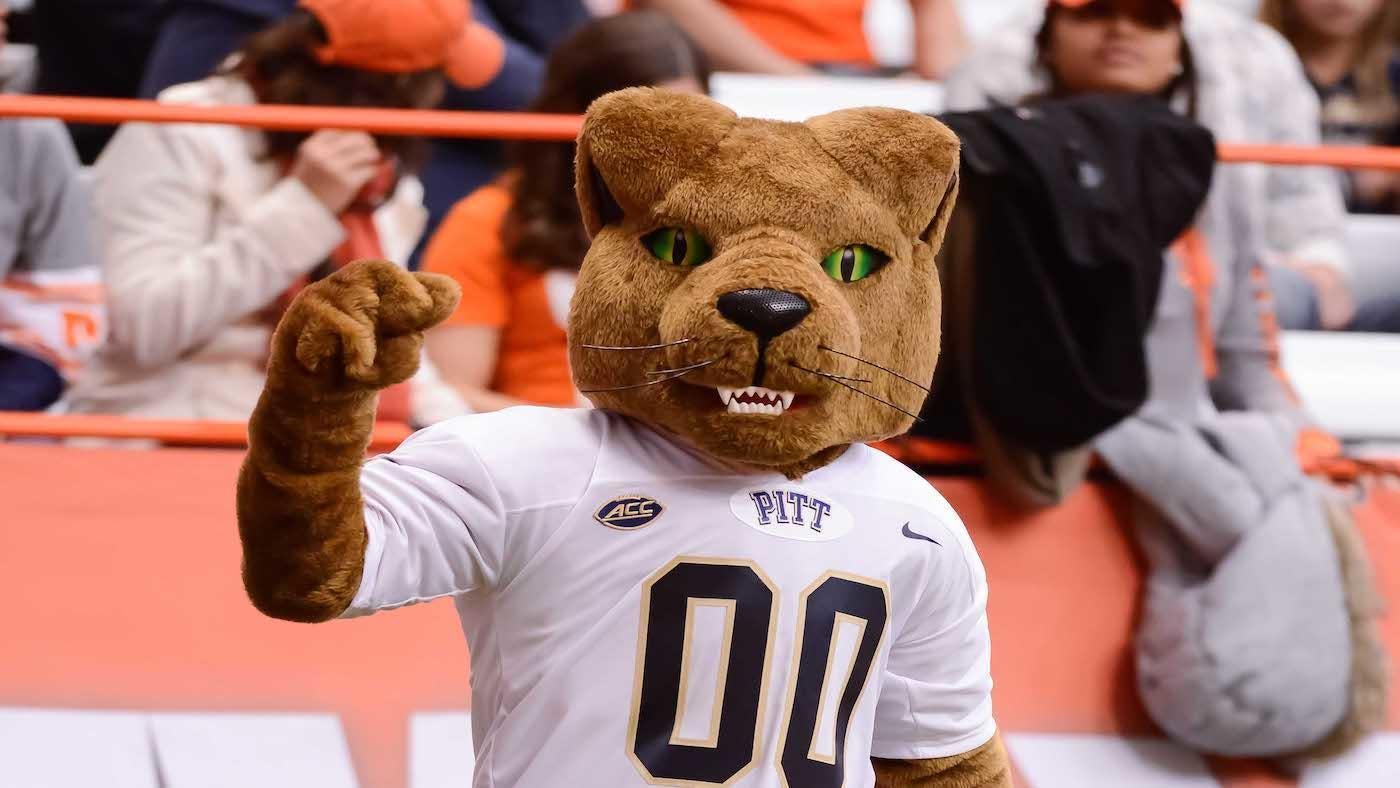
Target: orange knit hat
(401, 36)
(1082, 3)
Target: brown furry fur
(771, 198)
(1370, 678)
(299, 508)
(985, 767)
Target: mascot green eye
(853, 263)
(678, 246)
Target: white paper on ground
(440, 753)
(1349, 381)
(1376, 761)
(263, 750)
(1049, 760)
(42, 748)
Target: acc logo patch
(629, 512)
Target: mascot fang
(709, 579)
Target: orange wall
(119, 570)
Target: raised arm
(940, 41)
(730, 45)
(300, 509)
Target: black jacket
(1075, 202)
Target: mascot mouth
(756, 400)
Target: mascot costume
(709, 579)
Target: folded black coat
(1075, 202)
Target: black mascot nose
(767, 313)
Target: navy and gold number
(731, 748)
(656, 706)
(835, 600)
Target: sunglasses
(1151, 14)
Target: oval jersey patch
(792, 512)
(629, 512)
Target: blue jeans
(1295, 303)
(26, 383)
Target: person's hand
(1376, 186)
(1335, 304)
(335, 165)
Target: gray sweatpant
(1245, 645)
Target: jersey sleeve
(460, 507)
(936, 699)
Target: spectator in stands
(1137, 46)
(1349, 52)
(210, 230)
(1251, 87)
(50, 299)
(1250, 570)
(797, 37)
(515, 246)
(198, 34)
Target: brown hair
(280, 65)
(1186, 83)
(543, 228)
(1373, 59)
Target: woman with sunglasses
(1251, 87)
(1246, 643)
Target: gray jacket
(51, 303)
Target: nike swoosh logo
(912, 535)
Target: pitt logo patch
(791, 512)
(629, 512)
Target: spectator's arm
(729, 44)
(465, 356)
(173, 281)
(1250, 374)
(940, 42)
(466, 346)
(196, 37)
(1306, 214)
(58, 223)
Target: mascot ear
(636, 144)
(908, 161)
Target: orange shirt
(811, 31)
(529, 307)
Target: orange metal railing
(231, 434)
(438, 123)
(279, 117)
(520, 125)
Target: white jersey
(638, 616)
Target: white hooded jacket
(201, 232)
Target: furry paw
(362, 327)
